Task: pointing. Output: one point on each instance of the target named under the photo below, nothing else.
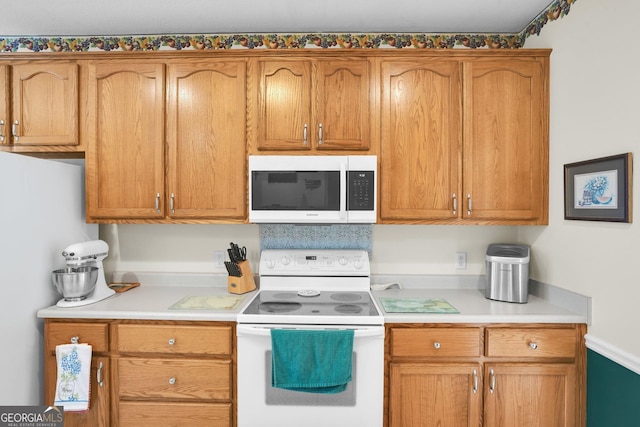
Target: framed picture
(599, 189)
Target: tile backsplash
(334, 236)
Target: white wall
(397, 249)
(595, 112)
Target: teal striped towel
(314, 361)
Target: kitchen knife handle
(172, 203)
(320, 134)
(455, 204)
(2, 131)
(14, 131)
(304, 134)
(158, 202)
(469, 205)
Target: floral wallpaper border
(556, 10)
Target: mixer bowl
(75, 283)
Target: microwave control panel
(361, 190)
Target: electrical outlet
(218, 260)
(461, 260)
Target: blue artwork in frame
(599, 189)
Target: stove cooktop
(312, 303)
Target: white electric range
(311, 289)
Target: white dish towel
(73, 385)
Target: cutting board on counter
(417, 305)
(208, 302)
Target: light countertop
(473, 307)
(153, 302)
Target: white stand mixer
(88, 254)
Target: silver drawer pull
(492, 386)
(533, 345)
(1, 130)
(475, 381)
(14, 131)
(75, 340)
(172, 341)
(172, 380)
(99, 376)
(436, 345)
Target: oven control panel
(314, 262)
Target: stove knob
(270, 263)
(342, 260)
(285, 260)
(358, 264)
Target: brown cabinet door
(529, 395)
(420, 140)
(98, 414)
(45, 104)
(436, 394)
(206, 137)
(5, 104)
(342, 105)
(284, 105)
(505, 140)
(125, 155)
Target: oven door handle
(266, 330)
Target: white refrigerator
(41, 212)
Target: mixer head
(83, 252)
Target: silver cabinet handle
(158, 202)
(492, 387)
(172, 203)
(75, 340)
(475, 381)
(533, 345)
(455, 204)
(172, 381)
(469, 205)
(304, 134)
(436, 345)
(172, 341)
(14, 131)
(2, 137)
(99, 375)
(320, 134)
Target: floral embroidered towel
(74, 373)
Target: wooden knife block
(243, 284)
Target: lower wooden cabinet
(486, 375)
(93, 333)
(151, 373)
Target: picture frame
(599, 189)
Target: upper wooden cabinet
(420, 139)
(304, 104)
(464, 141)
(505, 173)
(206, 139)
(125, 156)
(39, 103)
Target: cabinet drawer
(159, 414)
(174, 378)
(435, 342)
(514, 342)
(173, 339)
(95, 334)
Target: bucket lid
(508, 253)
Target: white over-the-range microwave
(323, 189)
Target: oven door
(297, 189)
(260, 404)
